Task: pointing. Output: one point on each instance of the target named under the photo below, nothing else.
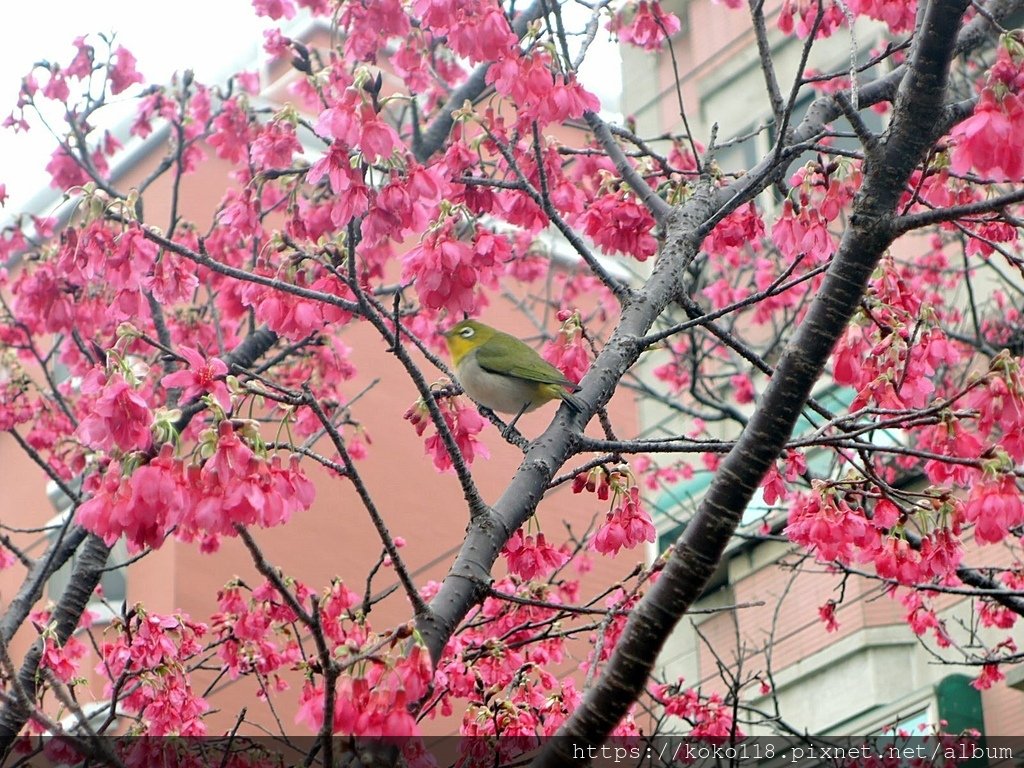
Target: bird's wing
(493, 357)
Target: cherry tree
(177, 380)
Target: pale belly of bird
(504, 394)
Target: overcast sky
(214, 38)
(164, 37)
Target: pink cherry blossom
(990, 675)
(203, 375)
(985, 140)
(619, 224)
(275, 146)
(65, 172)
(995, 507)
(63, 660)
(532, 557)
(119, 417)
(648, 26)
(123, 73)
(274, 9)
(827, 524)
(627, 525)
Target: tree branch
(911, 221)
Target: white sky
(164, 37)
(214, 38)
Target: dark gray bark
(58, 553)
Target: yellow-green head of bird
(467, 336)
(503, 373)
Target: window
(674, 507)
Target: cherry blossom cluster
(463, 421)
(234, 486)
(644, 24)
(568, 351)
(500, 664)
(147, 658)
(984, 142)
(627, 522)
(711, 718)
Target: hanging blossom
(275, 145)
(255, 631)
(448, 271)
(626, 525)
(995, 506)
(238, 487)
(291, 316)
(532, 557)
(232, 132)
(898, 15)
(65, 171)
(474, 29)
(354, 123)
(464, 422)
(118, 417)
(1000, 405)
(774, 483)
(921, 617)
(232, 487)
(627, 522)
(798, 16)
(540, 95)
(953, 438)
(568, 352)
(827, 614)
(496, 667)
(677, 373)
(710, 715)
(406, 204)
(122, 73)
(990, 675)
(63, 660)
(369, 28)
(618, 223)
(374, 702)
(644, 24)
(988, 140)
(822, 521)
(151, 652)
(892, 353)
(736, 234)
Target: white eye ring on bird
(466, 333)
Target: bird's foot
(512, 435)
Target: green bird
(503, 373)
